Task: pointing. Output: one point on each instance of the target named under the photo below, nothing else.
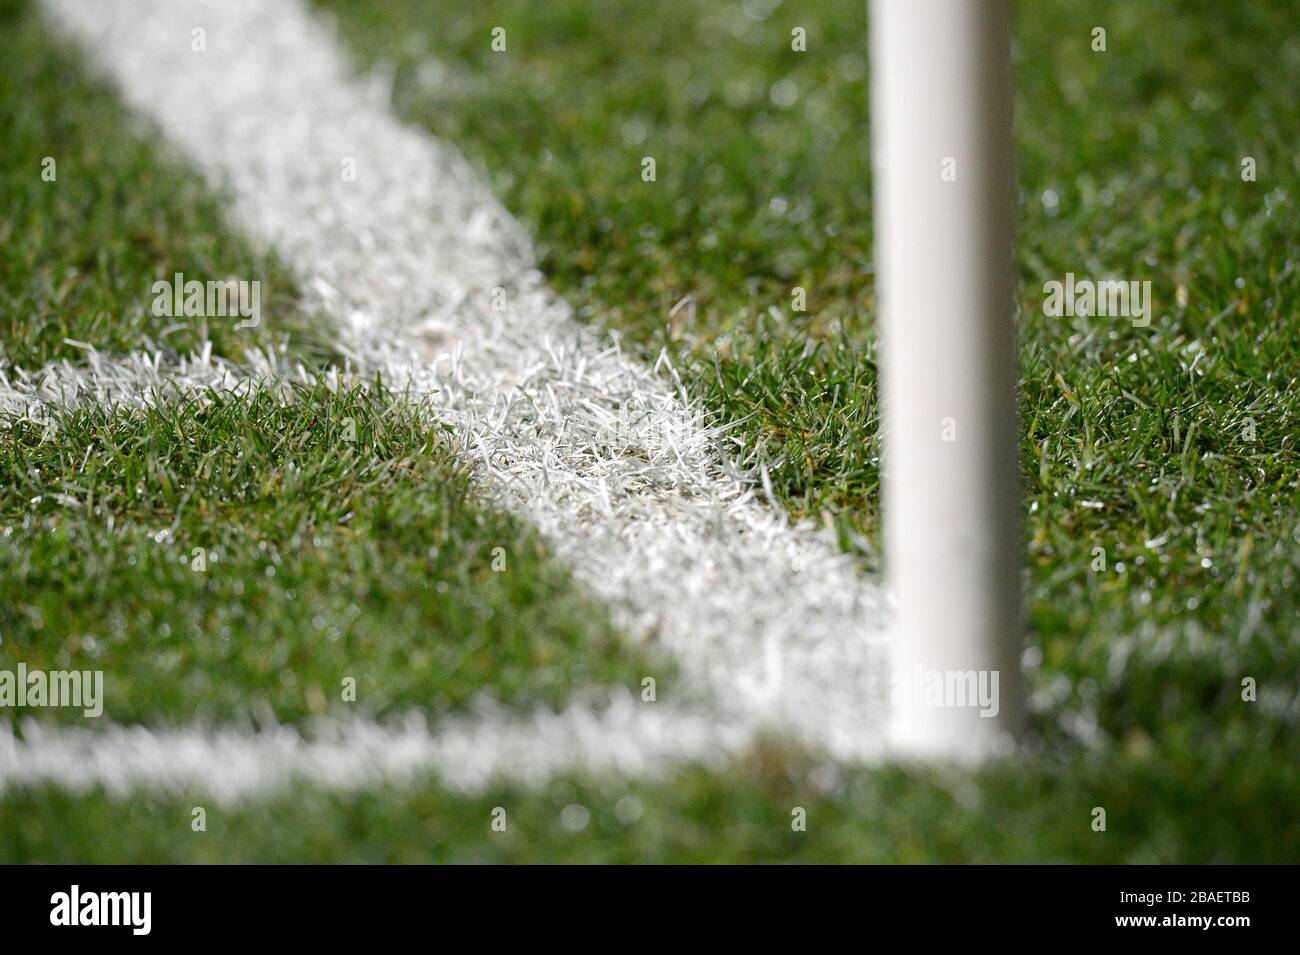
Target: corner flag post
(943, 193)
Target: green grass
(889, 815)
(339, 539)
(81, 253)
(1133, 440)
(1137, 441)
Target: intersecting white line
(623, 475)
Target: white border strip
(469, 754)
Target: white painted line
(769, 621)
(622, 736)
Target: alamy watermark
(1109, 297)
(75, 907)
(56, 688)
(226, 298)
(919, 687)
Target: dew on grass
(574, 817)
(628, 810)
(784, 93)
(633, 132)
(760, 10)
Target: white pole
(941, 125)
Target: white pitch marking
(625, 478)
(466, 754)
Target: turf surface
(694, 816)
(227, 555)
(1172, 448)
(83, 251)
